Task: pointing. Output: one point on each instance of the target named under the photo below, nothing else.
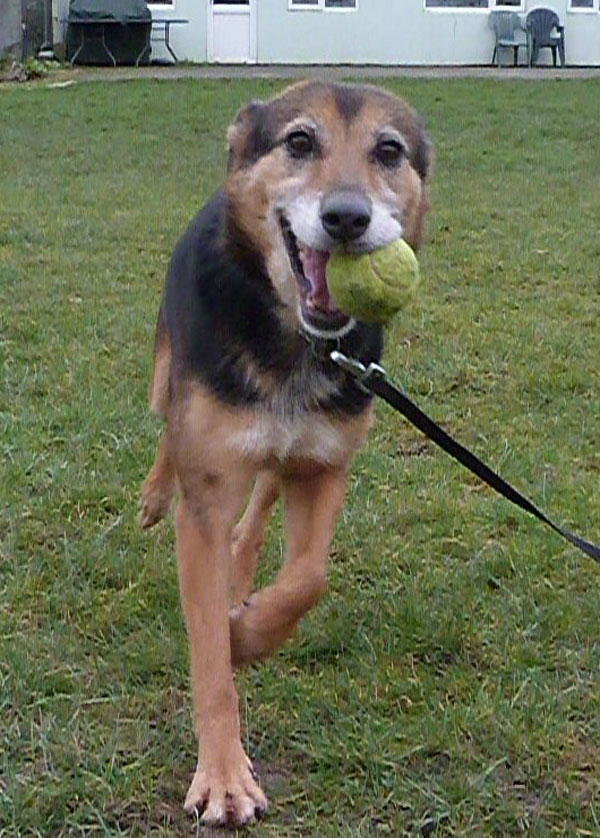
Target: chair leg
(553, 48)
(561, 49)
(516, 56)
(494, 55)
(535, 51)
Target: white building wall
(403, 32)
(582, 37)
(386, 32)
(188, 41)
(379, 32)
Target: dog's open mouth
(319, 312)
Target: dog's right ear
(249, 137)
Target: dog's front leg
(249, 534)
(266, 620)
(224, 786)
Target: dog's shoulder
(215, 303)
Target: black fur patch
(255, 123)
(348, 101)
(421, 155)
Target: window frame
(335, 9)
(303, 7)
(320, 6)
(492, 6)
(583, 10)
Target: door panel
(232, 31)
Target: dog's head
(324, 168)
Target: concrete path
(329, 72)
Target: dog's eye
(389, 153)
(300, 144)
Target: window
(328, 5)
(581, 4)
(456, 4)
(452, 5)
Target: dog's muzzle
(319, 314)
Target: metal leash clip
(357, 369)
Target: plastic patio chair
(509, 32)
(544, 30)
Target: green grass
(451, 675)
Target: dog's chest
(290, 425)
(268, 438)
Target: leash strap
(373, 379)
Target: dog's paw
(245, 643)
(231, 799)
(154, 505)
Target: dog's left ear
(423, 155)
(248, 138)
(422, 160)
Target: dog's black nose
(345, 214)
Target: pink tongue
(314, 263)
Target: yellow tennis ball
(374, 286)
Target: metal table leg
(105, 45)
(147, 47)
(167, 44)
(79, 48)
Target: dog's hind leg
(248, 535)
(261, 624)
(158, 488)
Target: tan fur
(159, 387)
(248, 535)
(159, 487)
(215, 453)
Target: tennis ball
(374, 286)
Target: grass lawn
(450, 680)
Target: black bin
(109, 32)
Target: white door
(232, 31)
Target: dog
(253, 404)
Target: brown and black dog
(243, 378)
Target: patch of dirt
(415, 448)
(274, 778)
(166, 815)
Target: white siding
(387, 32)
(403, 32)
(187, 40)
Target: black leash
(373, 379)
